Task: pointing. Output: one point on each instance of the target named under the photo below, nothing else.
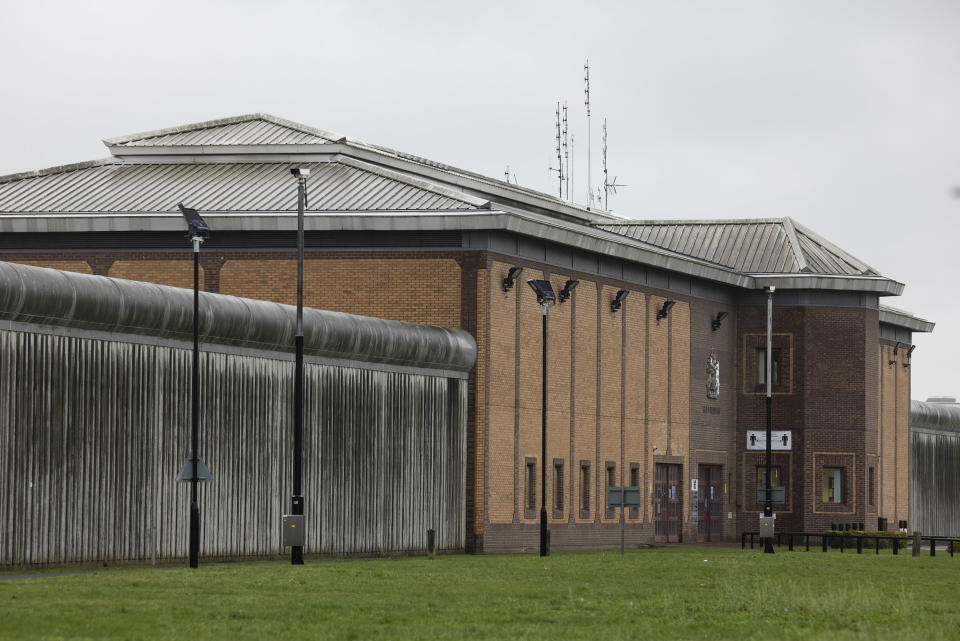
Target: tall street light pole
(199, 231)
(296, 553)
(768, 505)
(545, 297)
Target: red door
(667, 502)
(710, 504)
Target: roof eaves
(900, 318)
(880, 285)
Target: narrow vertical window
(584, 489)
(530, 486)
(611, 478)
(558, 485)
(762, 366)
(872, 485)
(833, 485)
(634, 482)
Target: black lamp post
(296, 551)
(199, 231)
(768, 505)
(545, 297)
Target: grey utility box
(294, 530)
(767, 526)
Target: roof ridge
(480, 203)
(60, 169)
(791, 232)
(841, 253)
(222, 122)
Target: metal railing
(857, 541)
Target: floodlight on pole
(296, 551)
(768, 504)
(194, 470)
(567, 290)
(545, 297)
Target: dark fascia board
(899, 318)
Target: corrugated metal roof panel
(254, 132)
(749, 246)
(123, 187)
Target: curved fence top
(43, 296)
(944, 417)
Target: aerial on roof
(238, 171)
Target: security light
(715, 323)
(896, 348)
(300, 172)
(567, 290)
(512, 275)
(617, 301)
(663, 311)
(909, 354)
(544, 291)
(198, 226)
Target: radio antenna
(566, 150)
(559, 152)
(609, 187)
(586, 102)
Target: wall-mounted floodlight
(909, 354)
(567, 290)
(300, 172)
(544, 291)
(617, 301)
(715, 323)
(663, 311)
(511, 278)
(896, 349)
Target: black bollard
(431, 543)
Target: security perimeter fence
(935, 468)
(95, 382)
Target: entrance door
(710, 504)
(667, 502)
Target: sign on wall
(780, 440)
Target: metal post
(296, 551)
(543, 444)
(768, 506)
(195, 411)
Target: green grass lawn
(666, 593)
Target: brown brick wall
(501, 464)
(79, 266)
(417, 290)
(174, 273)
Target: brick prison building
(656, 372)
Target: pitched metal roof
(765, 246)
(111, 187)
(250, 129)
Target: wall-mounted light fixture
(617, 301)
(715, 323)
(567, 290)
(663, 311)
(512, 276)
(896, 349)
(909, 354)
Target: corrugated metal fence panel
(935, 482)
(93, 433)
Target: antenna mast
(609, 187)
(559, 153)
(566, 151)
(586, 102)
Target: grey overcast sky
(844, 115)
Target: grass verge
(666, 593)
